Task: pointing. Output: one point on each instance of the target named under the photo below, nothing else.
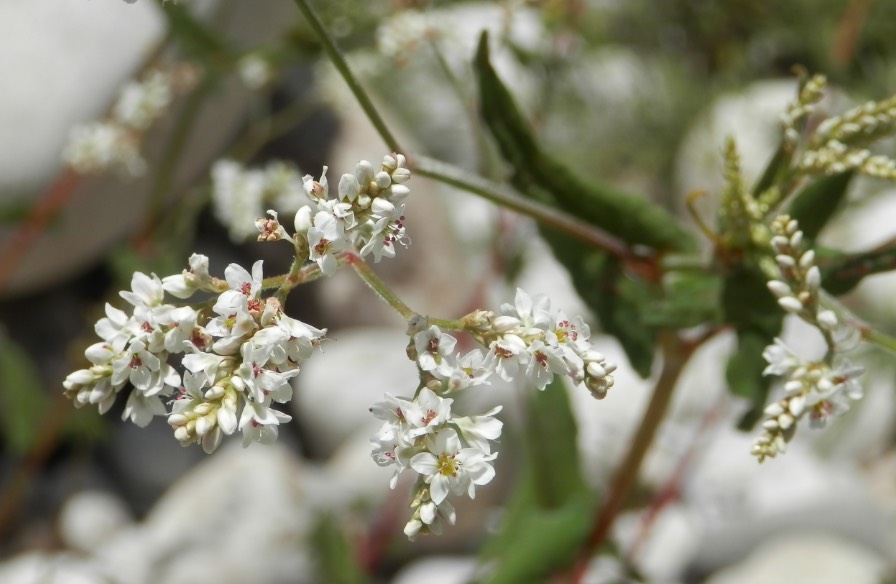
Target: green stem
(446, 325)
(501, 195)
(676, 354)
(270, 129)
(162, 186)
(880, 339)
(377, 285)
(342, 66)
(291, 280)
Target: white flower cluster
(114, 143)
(366, 215)
(811, 387)
(810, 94)
(237, 359)
(822, 388)
(800, 284)
(835, 157)
(452, 453)
(837, 145)
(240, 195)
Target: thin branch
(676, 354)
(341, 65)
(506, 197)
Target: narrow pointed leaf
(629, 217)
(814, 206)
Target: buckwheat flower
(239, 279)
(146, 291)
(316, 189)
(448, 467)
(388, 448)
(781, 360)
(233, 323)
(117, 327)
(237, 197)
(387, 231)
(532, 313)
(480, 431)
(543, 363)
(426, 413)
(178, 324)
(142, 102)
(259, 423)
(473, 368)
(325, 240)
(508, 354)
(430, 518)
(97, 147)
(190, 281)
(142, 407)
(138, 366)
(434, 351)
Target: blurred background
(636, 93)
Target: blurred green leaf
(23, 401)
(814, 206)
(757, 318)
(629, 217)
(690, 299)
(550, 511)
(335, 559)
(842, 273)
(552, 446)
(197, 40)
(776, 167)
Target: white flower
(447, 466)
(532, 312)
(543, 363)
(146, 291)
(102, 146)
(138, 366)
(186, 283)
(325, 240)
(141, 408)
(259, 423)
(480, 431)
(508, 353)
(473, 369)
(427, 413)
(781, 360)
(434, 351)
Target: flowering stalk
(821, 389)
(336, 57)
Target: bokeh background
(636, 93)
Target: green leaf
(757, 318)
(841, 274)
(552, 446)
(777, 165)
(814, 206)
(690, 300)
(23, 401)
(196, 39)
(744, 375)
(335, 559)
(550, 511)
(629, 217)
(534, 542)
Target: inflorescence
(223, 360)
